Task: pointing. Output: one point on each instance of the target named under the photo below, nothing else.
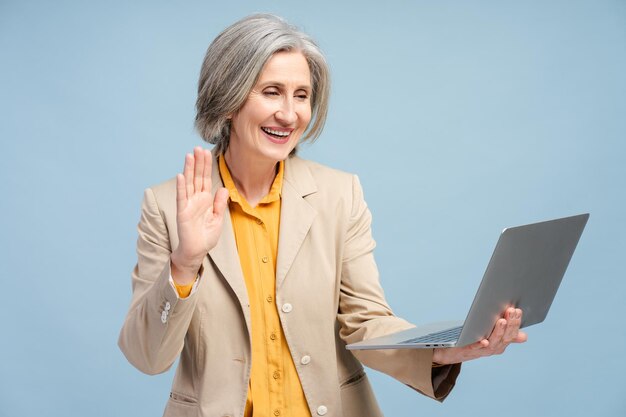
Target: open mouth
(279, 136)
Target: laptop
(525, 271)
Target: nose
(286, 114)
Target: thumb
(219, 202)
(521, 337)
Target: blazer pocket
(353, 379)
(182, 398)
(357, 397)
(181, 405)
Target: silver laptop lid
(525, 271)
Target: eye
(271, 92)
(301, 95)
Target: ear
(230, 116)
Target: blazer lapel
(296, 218)
(296, 214)
(224, 254)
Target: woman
(259, 286)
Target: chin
(278, 153)
(278, 156)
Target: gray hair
(232, 66)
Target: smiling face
(276, 113)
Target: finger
(465, 353)
(188, 173)
(510, 317)
(181, 192)
(481, 344)
(479, 349)
(521, 337)
(219, 202)
(198, 172)
(208, 163)
(498, 332)
(510, 314)
(512, 326)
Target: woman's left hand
(505, 332)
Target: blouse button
(287, 308)
(306, 359)
(321, 410)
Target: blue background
(461, 118)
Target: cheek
(305, 116)
(253, 113)
(251, 122)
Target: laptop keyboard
(444, 336)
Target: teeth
(275, 132)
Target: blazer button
(164, 317)
(287, 308)
(321, 410)
(306, 359)
(168, 306)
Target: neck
(252, 177)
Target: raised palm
(199, 215)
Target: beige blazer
(327, 293)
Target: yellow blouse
(275, 388)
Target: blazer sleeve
(364, 312)
(154, 330)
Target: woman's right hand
(199, 216)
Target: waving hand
(199, 215)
